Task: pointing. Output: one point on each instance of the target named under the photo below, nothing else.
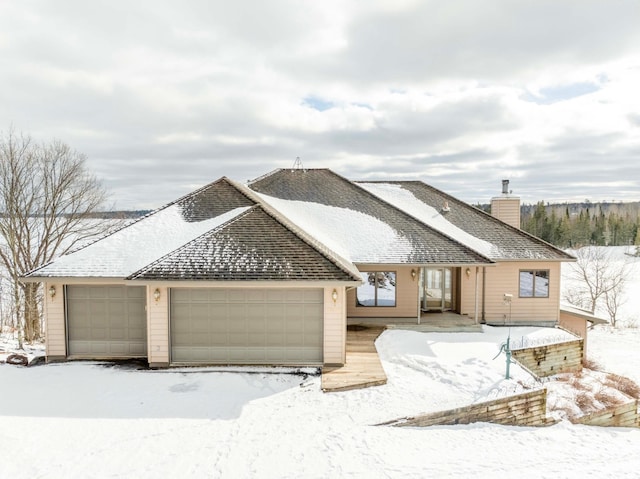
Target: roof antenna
(297, 165)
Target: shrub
(625, 385)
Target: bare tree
(613, 299)
(46, 196)
(595, 277)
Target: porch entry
(437, 289)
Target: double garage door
(106, 321)
(246, 326)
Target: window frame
(376, 304)
(534, 272)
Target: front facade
(270, 272)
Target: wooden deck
(363, 367)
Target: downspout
(484, 294)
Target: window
(534, 283)
(379, 289)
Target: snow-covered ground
(82, 420)
(93, 420)
(629, 312)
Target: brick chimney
(506, 207)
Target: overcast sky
(164, 97)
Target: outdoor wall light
(52, 291)
(334, 295)
(156, 294)
(414, 273)
(468, 272)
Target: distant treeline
(105, 215)
(116, 215)
(573, 225)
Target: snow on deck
(406, 201)
(135, 246)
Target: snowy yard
(91, 420)
(82, 420)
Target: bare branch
(46, 196)
(597, 278)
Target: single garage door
(106, 321)
(246, 326)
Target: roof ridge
(266, 175)
(323, 249)
(277, 170)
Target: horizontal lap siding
(56, 340)
(406, 296)
(468, 292)
(335, 326)
(507, 210)
(504, 278)
(158, 326)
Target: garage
(106, 321)
(247, 325)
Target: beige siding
(504, 278)
(158, 327)
(507, 209)
(335, 326)
(406, 295)
(468, 292)
(576, 325)
(56, 342)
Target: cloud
(163, 98)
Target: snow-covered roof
(468, 225)
(299, 224)
(405, 200)
(135, 246)
(367, 239)
(582, 313)
(218, 232)
(356, 224)
(254, 246)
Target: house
(270, 272)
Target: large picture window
(379, 289)
(534, 283)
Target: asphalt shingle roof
(178, 239)
(226, 231)
(211, 201)
(421, 243)
(252, 247)
(510, 243)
